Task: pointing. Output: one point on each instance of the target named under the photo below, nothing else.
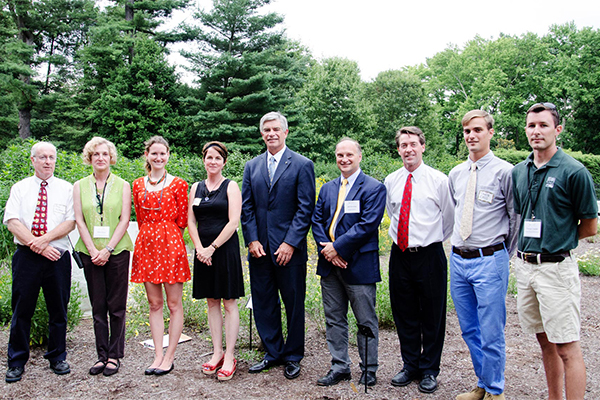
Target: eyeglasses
(44, 158)
(146, 198)
(100, 206)
(545, 106)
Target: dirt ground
(525, 378)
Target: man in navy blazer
(278, 198)
(345, 227)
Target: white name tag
(197, 201)
(532, 228)
(485, 196)
(101, 232)
(60, 208)
(351, 206)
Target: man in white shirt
(39, 213)
(421, 218)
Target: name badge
(60, 208)
(351, 207)
(485, 196)
(197, 201)
(101, 232)
(532, 228)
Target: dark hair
(410, 130)
(218, 146)
(539, 107)
(148, 143)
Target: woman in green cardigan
(102, 205)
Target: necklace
(207, 191)
(158, 181)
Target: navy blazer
(356, 234)
(280, 212)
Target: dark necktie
(39, 226)
(404, 214)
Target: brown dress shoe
(475, 394)
(489, 396)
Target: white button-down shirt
(23, 200)
(431, 209)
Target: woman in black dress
(215, 205)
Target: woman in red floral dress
(160, 257)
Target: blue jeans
(478, 287)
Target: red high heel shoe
(227, 375)
(209, 369)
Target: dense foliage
(71, 69)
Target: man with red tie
(39, 213)
(421, 218)
(345, 227)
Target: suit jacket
(356, 234)
(280, 212)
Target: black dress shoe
(403, 378)
(160, 372)
(13, 374)
(428, 384)
(149, 371)
(261, 366)
(333, 378)
(97, 369)
(369, 376)
(292, 369)
(109, 370)
(60, 367)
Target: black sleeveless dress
(223, 279)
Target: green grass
(589, 263)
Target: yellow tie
(340, 203)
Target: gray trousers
(336, 294)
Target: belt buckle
(536, 256)
(413, 249)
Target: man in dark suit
(278, 198)
(345, 227)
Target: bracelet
(214, 245)
(110, 249)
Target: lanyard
(100, 200)
(529, 183)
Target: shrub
(589, 264)
(39, 322)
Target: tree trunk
(25, 123)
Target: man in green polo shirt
(554, 194)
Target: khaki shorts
(549, 298)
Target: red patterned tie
(39, 227)
(404, 214)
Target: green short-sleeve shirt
(562, 192)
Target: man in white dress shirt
(39, 213)
(421, 218)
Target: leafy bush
(39, 322)
(589, 264)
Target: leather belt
(484, 251)
(538, 258)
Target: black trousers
(108, 286)
(31, 272)
(418, 287)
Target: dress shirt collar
(417, 173)
(482, 162)
(277, 155)
(351, 178)
(38, 180)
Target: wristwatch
(110, 249)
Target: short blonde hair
(90, 147)
(478, 113)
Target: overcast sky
(390, 34)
